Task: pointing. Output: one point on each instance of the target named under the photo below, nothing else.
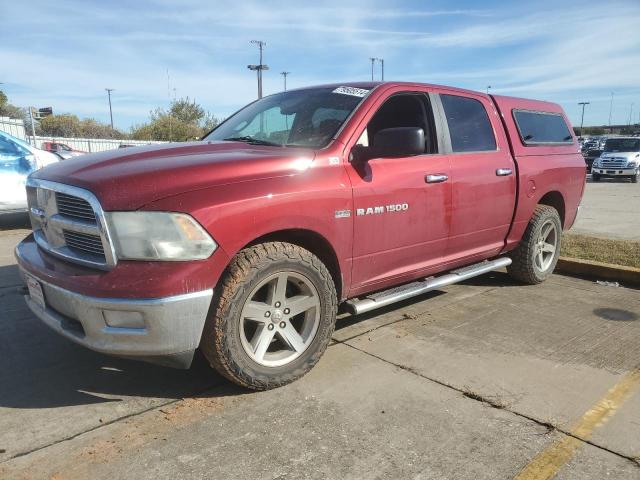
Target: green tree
(11, 111)
(67, 125)
(184, 120)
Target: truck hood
(127, 179)
(627, 155)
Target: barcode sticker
(353, 91)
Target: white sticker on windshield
(356, 92)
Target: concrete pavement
(610, 209)
(475, 381)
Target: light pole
(284, 75)
(373, 61)
(630, 113)
(109, 90)
(260, 67)
(488, 88)
(381, 60)
(610, 111)
(584, 104)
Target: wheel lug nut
(267, 314)
(282, 324)
(286, 311)
(270, 326)
(277, 304)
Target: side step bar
(397, 294)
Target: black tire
(222, 340)
(525, 265)
(636, 177)
(595, 177)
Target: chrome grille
(91, 244)
(74, 207)
(614, 162)
(69, 222)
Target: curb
(599, 270)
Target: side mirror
(392, 142)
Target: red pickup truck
(246, 243)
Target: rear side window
(469, 125)
(542, 127)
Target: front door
(401, 204)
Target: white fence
(16, 128)
(91, 144)
(12, 126)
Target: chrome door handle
(503, 172)
(436, 178)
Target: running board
(397, 294)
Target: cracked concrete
(471, 382)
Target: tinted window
(541, 127)
(469, 124)
(622, 145)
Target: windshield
(622, 145)
(298, 118)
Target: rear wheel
(273, 318)
(536, 256)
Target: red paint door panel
(401, 222)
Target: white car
(17, 160)
(620, 159)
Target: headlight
(632, 164)
(158, 236)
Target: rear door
(401, 220)
(483, 175)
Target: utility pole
(381, 60)
(584, 104)
(284, 75)
(610, 111)
(33, 127)
(488, 88)
(373, 61)
(630, 114)
(109, 90)
(260, 67)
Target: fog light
(123, 319)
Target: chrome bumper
(615, 172)
(160, 330)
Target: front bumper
(161, 330)
(614, 172)
(153, 311)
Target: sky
(64, 53)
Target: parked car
(245, 243)
(620, 159)
(17, 160)
(62, 150)
(592, 149)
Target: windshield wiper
(252, 140)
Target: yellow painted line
(546, 464)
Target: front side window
(297, 118)
(469, 126)
(403, 110)
(542, 127)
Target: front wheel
(273, 316)
(535, 258)
(595, 177)
(636, 177)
